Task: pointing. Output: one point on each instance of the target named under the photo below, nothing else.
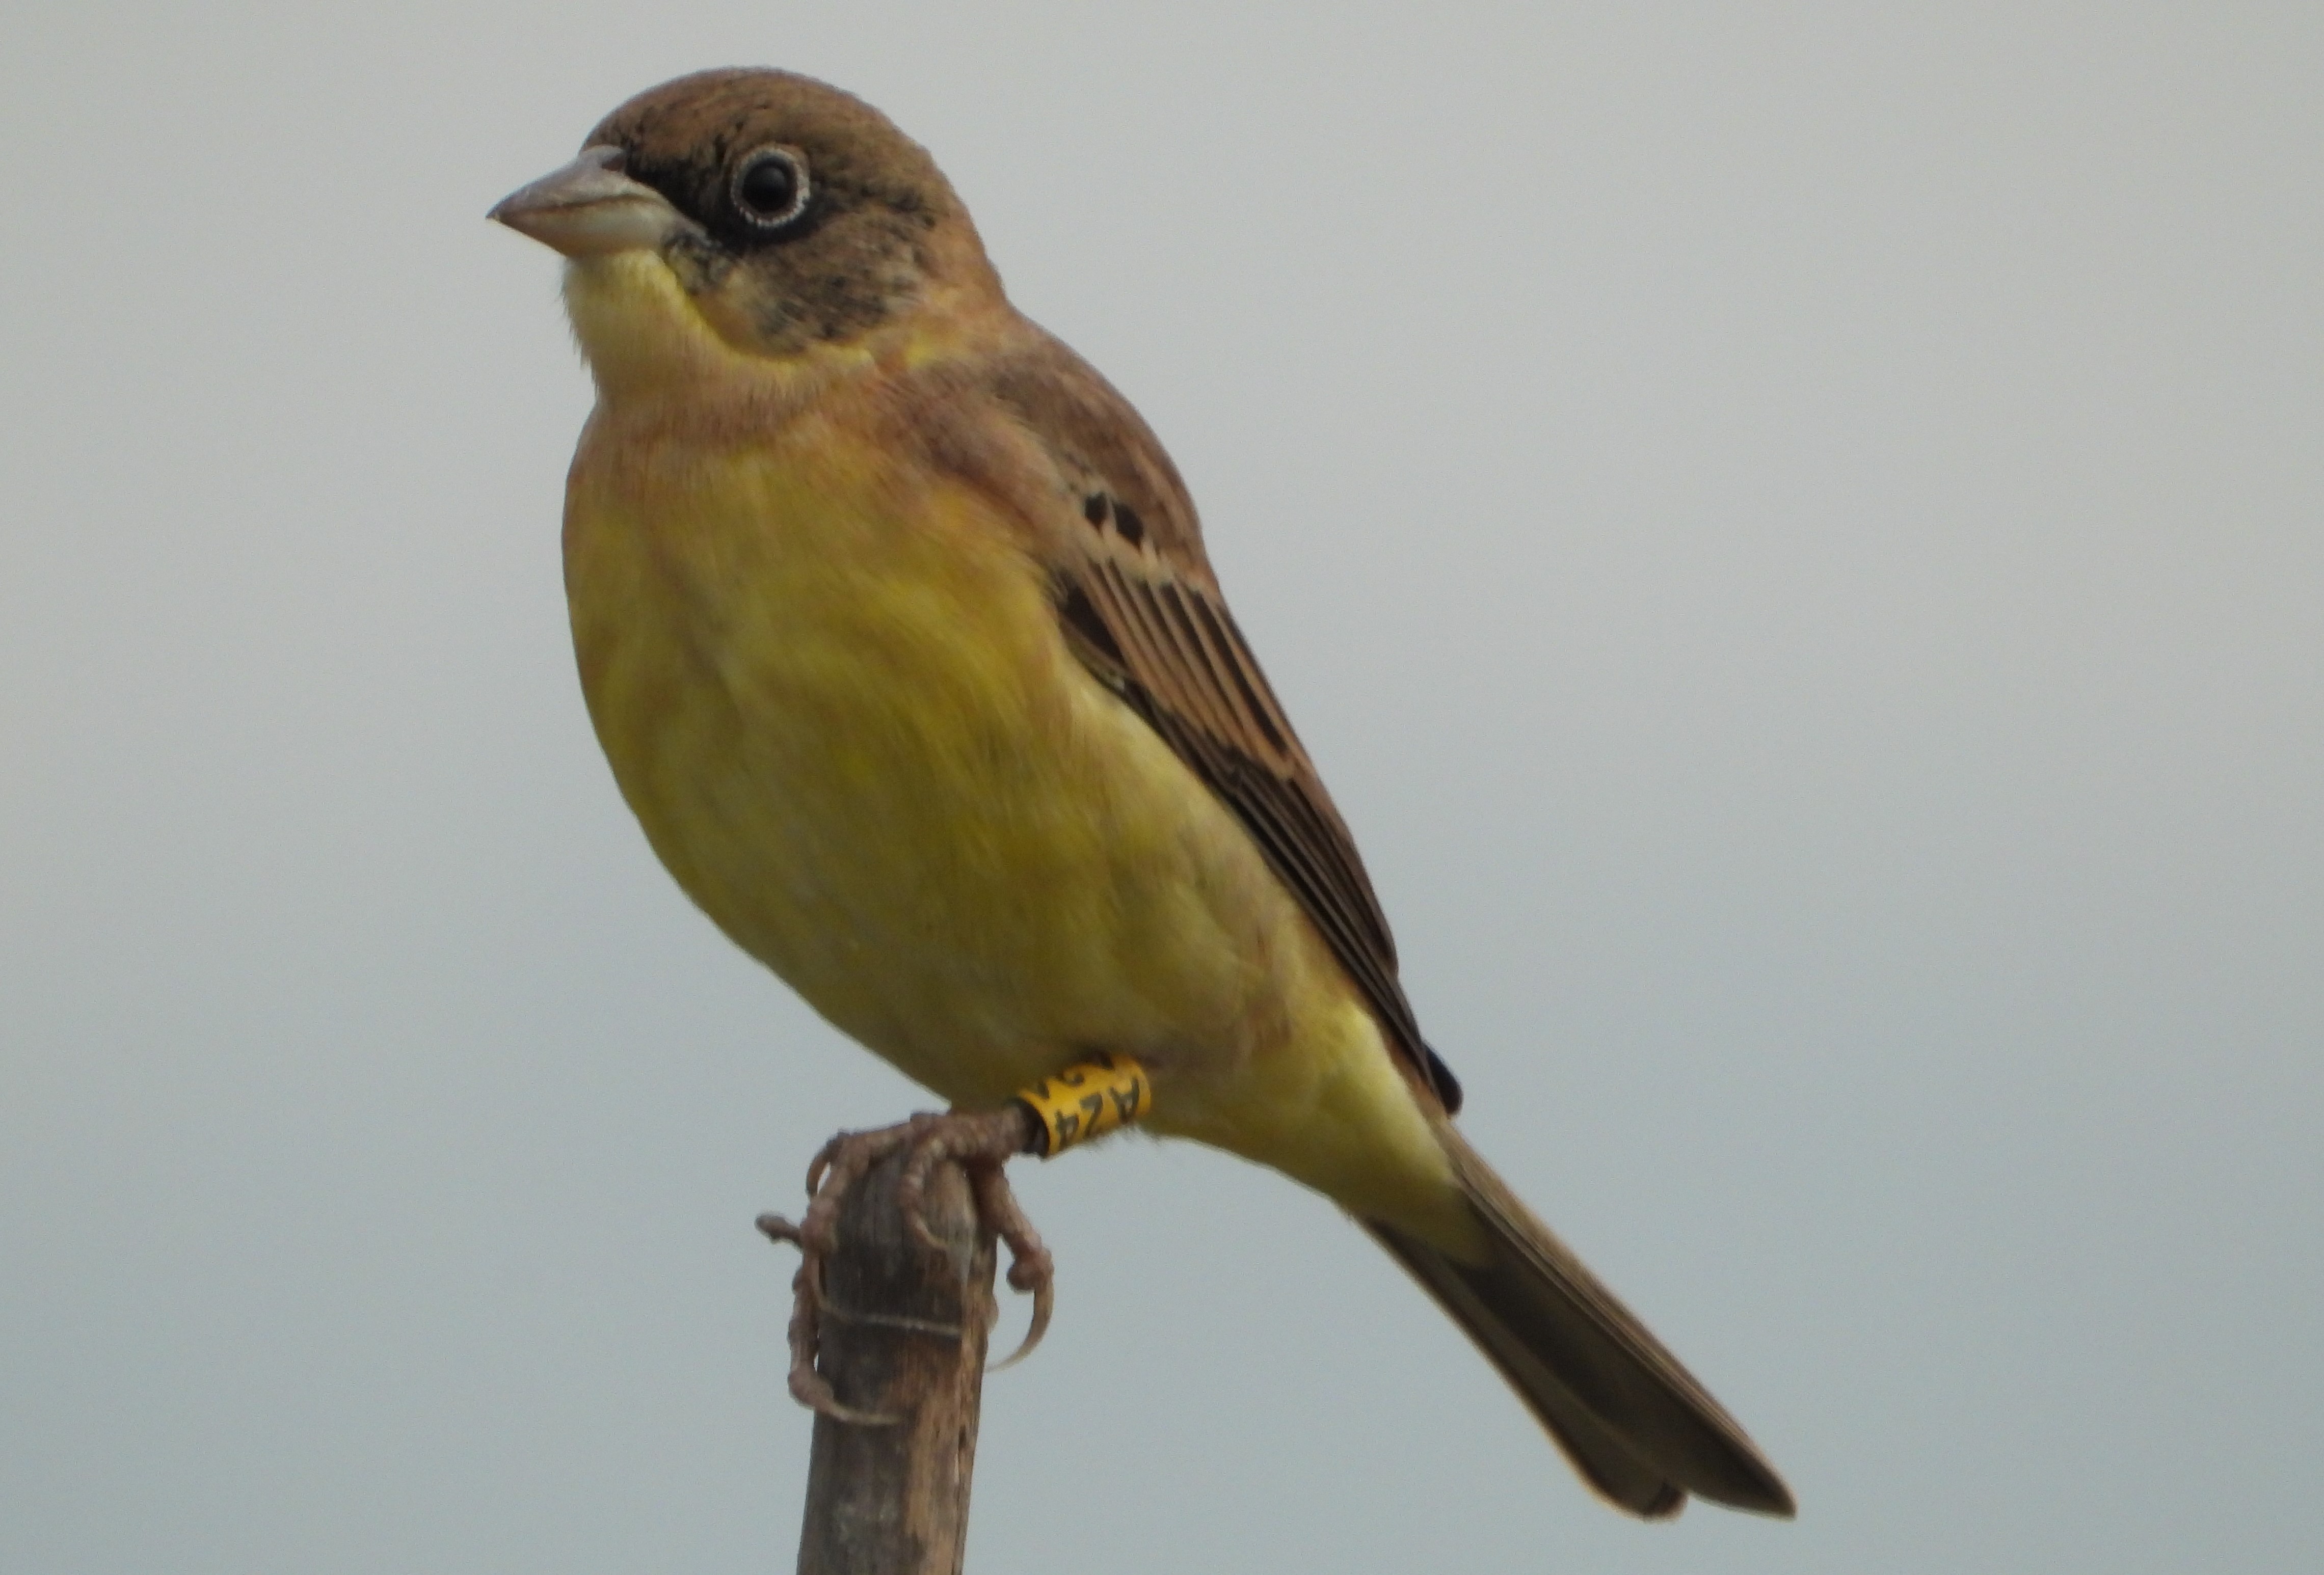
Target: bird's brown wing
(1141, 609)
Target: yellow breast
(837, 701)
(832, 688)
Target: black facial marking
(1093, 508)
(814, 218)
(770, 190)
(766, 197)
(1126, 520)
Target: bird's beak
(589, 209)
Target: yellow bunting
(1088, 1099)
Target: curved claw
(809, 1278)
(979, 1144)
(810, 1390)
(1030, 1267)
(824, 1158)
(1044, 1302)
(807, 1387)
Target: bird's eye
(770, 188)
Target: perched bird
(895, 622)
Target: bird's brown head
(790, 214)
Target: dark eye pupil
(769, 188)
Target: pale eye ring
(770, 189)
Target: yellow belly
(846, 717)
(849, 728)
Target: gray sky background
(1796, 532)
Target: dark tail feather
(1634, 1421)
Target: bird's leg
(809, 1387)
(1071, 1106)
(981, 1146)
(978, 1143)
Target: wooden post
(893, 1499)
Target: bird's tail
(1634, 1423)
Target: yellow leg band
(1087, 1101)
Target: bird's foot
(980, 1143)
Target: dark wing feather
(1141, 609)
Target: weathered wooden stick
(893, 1499)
